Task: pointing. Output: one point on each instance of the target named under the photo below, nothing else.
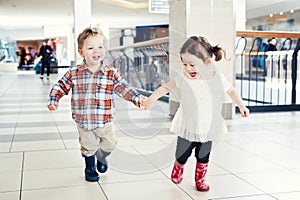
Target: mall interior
(257, 159)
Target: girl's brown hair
(201, 48)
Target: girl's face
(192, 65)
(93, 50)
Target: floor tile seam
(151, 163)
(103, 192)
(54, 187)
(60, 134)
(8, 191)
(11, 171)
(51, 168)
(165, 142)
(240, 178)
(15, 127)
(35, 133)
(22, 175)
(38, 134)
(242, 196)
(58, 139)
(7, 88)
(27, 112)
(293, 148)
(42, 150)
(165, 175)
(278, 164)
(39, 124)
(296, 169)
(256, 187)
(130, 181)
(241, 148)
(259, 155)
(261, 171)
(289, 192)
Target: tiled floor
(40, 158)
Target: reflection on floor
(40, 159)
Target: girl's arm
(159, 92)
(236, 98)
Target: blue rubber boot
(90, 172)
(101, 160)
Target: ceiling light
(270, 15)
(292, 11)
(281, 13)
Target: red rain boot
(200, 173)
(177, 172)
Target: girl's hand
(244, 111)
(53, 106)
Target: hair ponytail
(218, 52)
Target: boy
(93, 87)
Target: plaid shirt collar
(83, 67)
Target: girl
(198, 121)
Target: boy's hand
(53, 106)
(141, 101)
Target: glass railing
(144, 65)
(266, 68)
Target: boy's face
(93, 50)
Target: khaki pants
(101, 138)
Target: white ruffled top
(199, 116)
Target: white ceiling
(258, 8)
(16, 14)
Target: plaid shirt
(92, 99)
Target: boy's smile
(93, 51)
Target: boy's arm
(123, 90)
(61, 88)
(162, 90)
(236, 98)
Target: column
(213, 19)
(82, 19)
(240, 25)
(240, 14)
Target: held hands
(145, 102)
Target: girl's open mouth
(193, 74)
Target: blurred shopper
(22, 56)
(46, 54)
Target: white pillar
(213, 19)
(82, 19)
(240, 25)
(240, 14)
